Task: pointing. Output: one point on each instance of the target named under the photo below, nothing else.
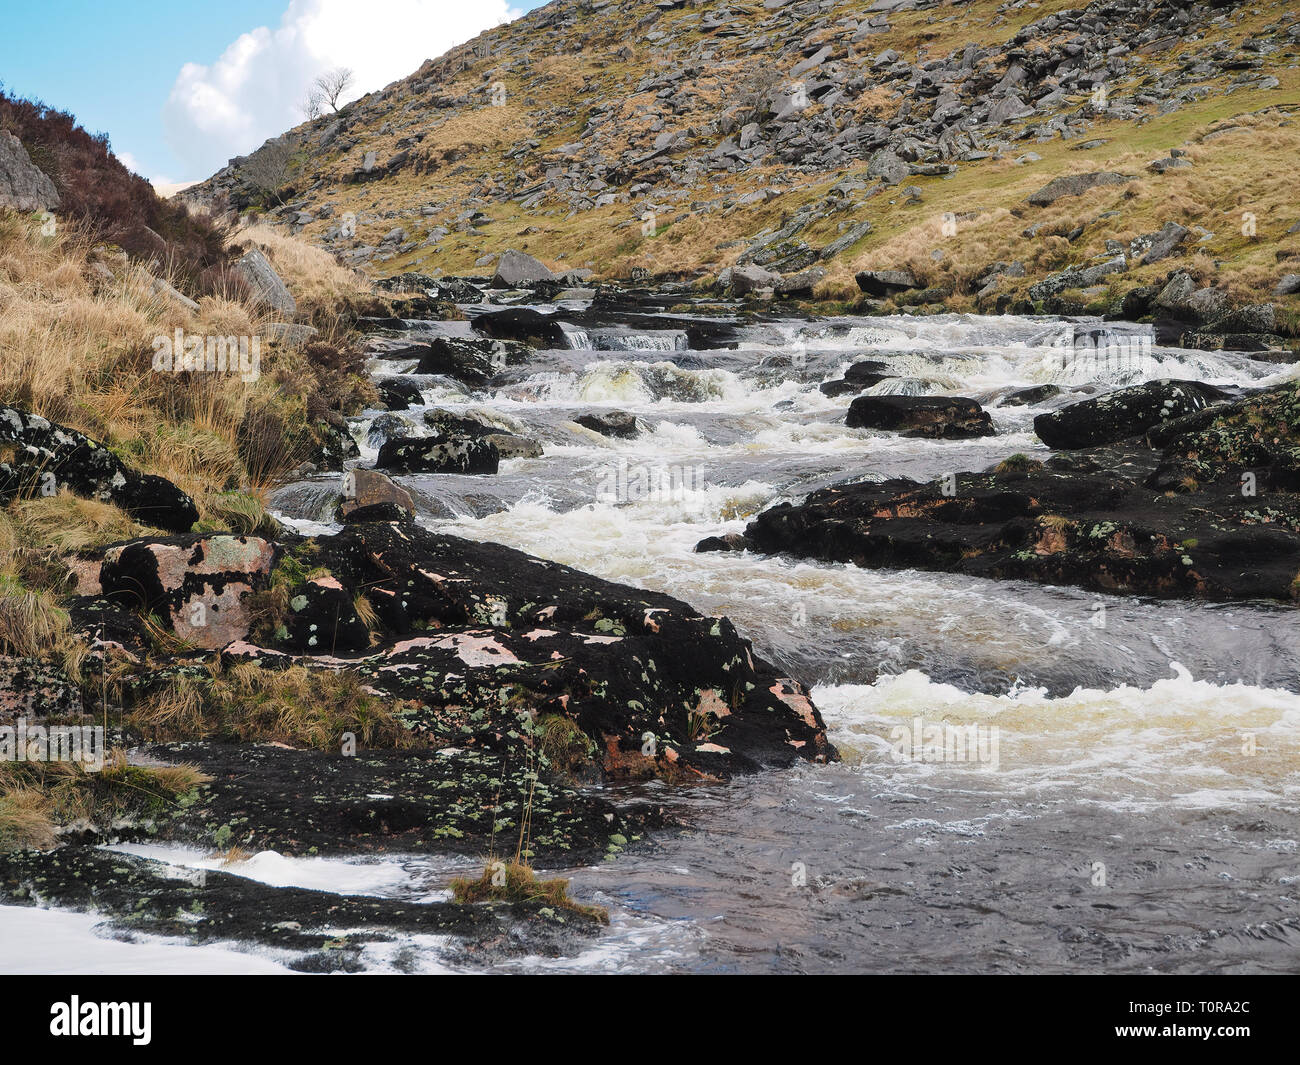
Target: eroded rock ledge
(1205, 505)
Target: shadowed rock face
(45, 458)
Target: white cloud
(255, 89)
(160, 182)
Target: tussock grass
(517, 882)
(297, 706)
(36, 798)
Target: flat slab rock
(309, 931)
(449, 801)
(935, 417)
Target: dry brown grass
(297, 706)
(323, 289)
(38, 797)
(77, 324)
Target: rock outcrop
(23, 186)
(43, 458)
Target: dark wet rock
(462, 637)
(937, 417)
(335, 446)
(312, 931)
(416, 801)
(397, 393)
(1074, 185)
(857, 378)
(473, 362)
(474, 622)
(1267, 347)
(322, 618)
(376, 512)
(455, 453)
(730, 542)
(1028, 397)
(615, 423)
(1090, 523)
(1123, 414)
(1257, 435)
(884, 283)
(43, 458)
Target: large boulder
(45, 458)
(611, 423)
(1125, 413)
(517, 269)
(472, 361)
(936, 417)
(197, 585)
(882, 283)
(1074, 185)
(753, 278)
(452, 453)
(365, 490)
(23, 186)
(268, 289)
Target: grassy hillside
(600, 136)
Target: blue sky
(180, 87)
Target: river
(1133, 802)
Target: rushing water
(1133, 802)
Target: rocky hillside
(816, 138)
